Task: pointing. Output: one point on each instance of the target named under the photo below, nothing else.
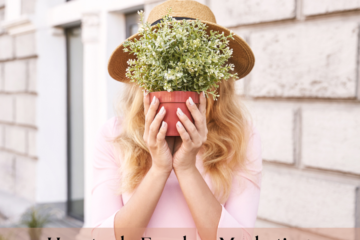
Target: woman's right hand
(155, 138)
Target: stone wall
(304, 96)
(18, 126)
(2, 10)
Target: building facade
(55, 93)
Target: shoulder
(253, 161)
(254, 132)
(104, 147)
(111, 128)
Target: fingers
(150, 114)
(192, 131)
(199, 117)
(186, 140)
(202, 106)
(154, 126)
(162, 134)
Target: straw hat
(243, 57)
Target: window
(131, 21)
(75, 124)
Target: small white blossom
(170, 58)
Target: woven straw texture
(243, 57)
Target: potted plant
(176, 60)
(2, 237)
(35, 218)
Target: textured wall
(18, 127)
(304, 96)
(28, 6)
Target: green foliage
(34, 219)
(2, 237)
(179, 56)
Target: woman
(206, 179)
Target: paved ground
(66, 228)
(65, 222)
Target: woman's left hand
(192, 136)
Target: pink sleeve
(240, 210)
(105, 203)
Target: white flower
(160, 66)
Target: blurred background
(304, 95)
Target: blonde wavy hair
(223, 153)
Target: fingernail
(162, 110)
(163, 124)
(153, 101)
(204, 93)
(180, 112)
(179, 124)
(191, 101)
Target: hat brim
(242, 57)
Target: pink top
(239, 211)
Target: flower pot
(34, 233)
(171, 101)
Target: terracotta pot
(35, 233)
(171, 101)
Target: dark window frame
(131, 18)
(67, 29)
